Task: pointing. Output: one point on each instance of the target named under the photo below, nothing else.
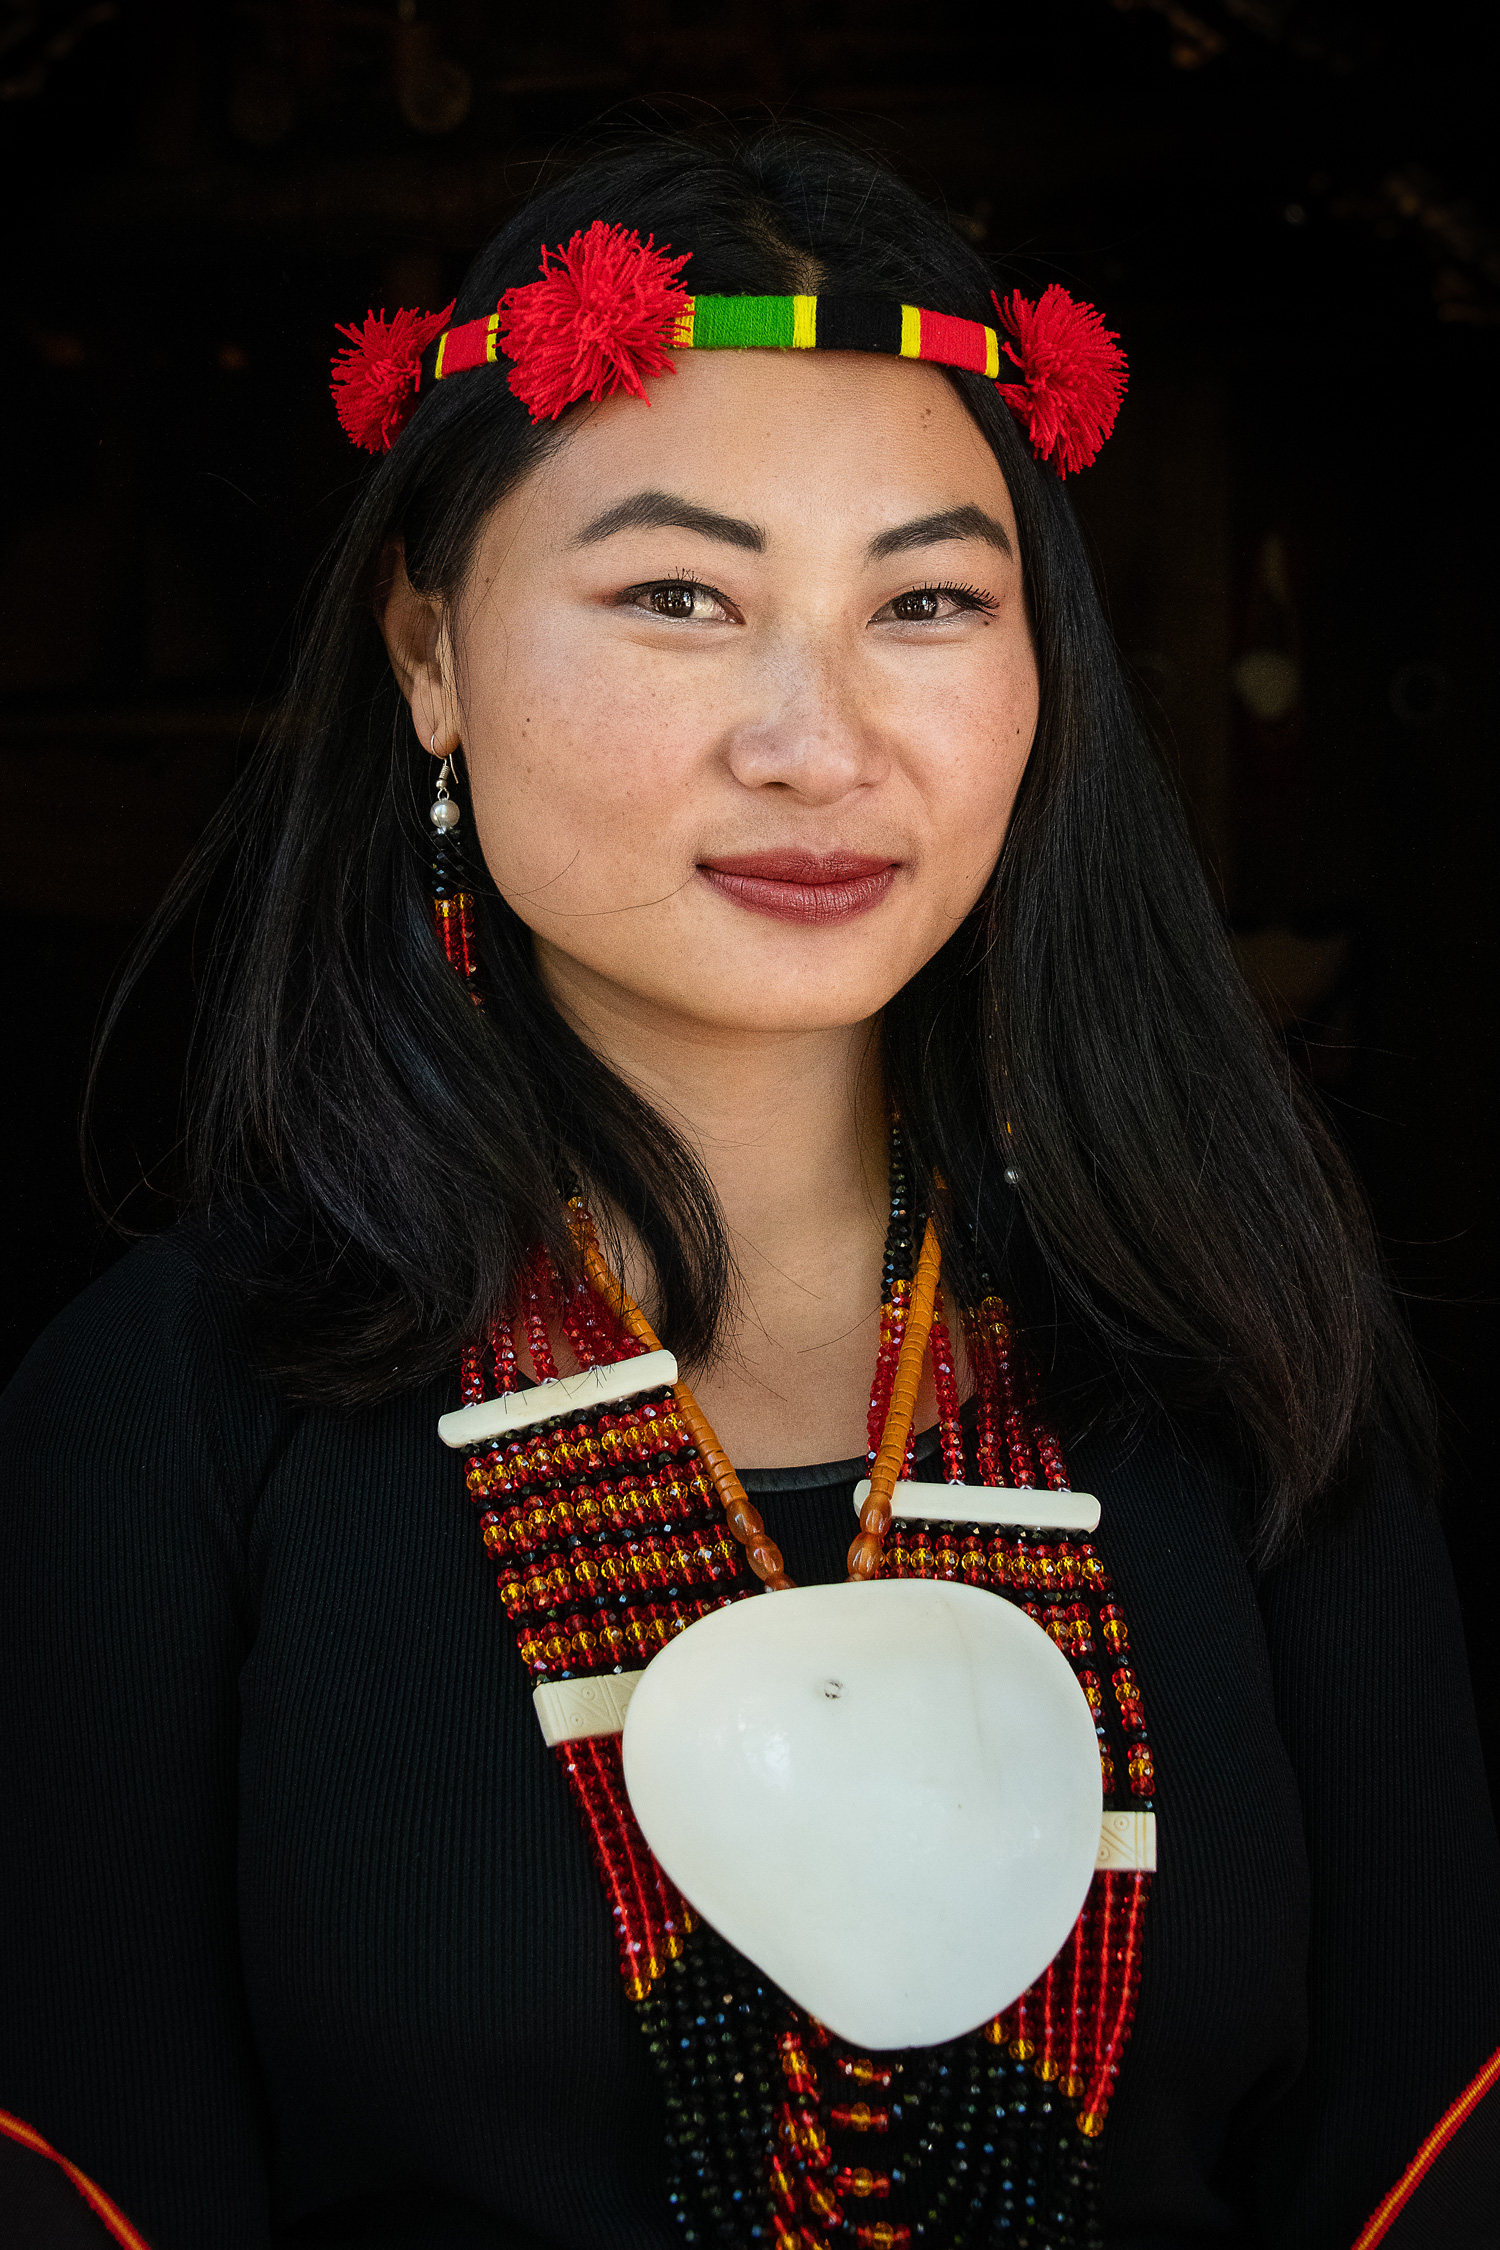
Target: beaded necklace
(611, 1532)
(611, 1535)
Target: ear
(416, 640)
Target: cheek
(576, 769)
(975, 744)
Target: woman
(829, 924)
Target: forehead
(780, 437)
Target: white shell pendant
(887, 1796)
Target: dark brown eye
(673, 601)
(916, 608)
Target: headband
(609, 310)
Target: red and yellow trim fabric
(471, 344)
(1378, 2226)
(102, 2206)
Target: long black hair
(1124, 1150)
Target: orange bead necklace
(740, 1514)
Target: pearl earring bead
(445, 814)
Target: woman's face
(746, 687)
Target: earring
(445, 814)
(453, 904)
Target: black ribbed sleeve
(1372, 1695)
(300, 1943)
(127, 1459)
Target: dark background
(1290, 211)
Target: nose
(807, 732)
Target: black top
(299, 1937)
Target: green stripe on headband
(744, 323)
(839, 324)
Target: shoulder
(145, 1383)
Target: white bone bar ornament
(1027, 1509)
(502, 1417)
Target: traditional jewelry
(607, 311)
(453, 903)
(613, 1525)
(614, 1522)
(444, 814)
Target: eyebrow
(665, 511)
(931, 531)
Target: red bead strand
(1046, 2063)
(1124, 1988)
(503, 1351)
(536, 1304)
(1073, 2083)
(581, 1331)
(892, 1328)
(580, 1764)
(1103, 1930)
(455, 926)
(977, 1326)
(945, 1383)
(651, 1918)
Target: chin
(774, 1006)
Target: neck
(791, 1129)
(789, 1126)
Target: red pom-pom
(597, 322)
(1072, 376)
(375, 379)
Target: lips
(802, 886)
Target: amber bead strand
(875, 1516)
(744, 1520)
(895, 1296)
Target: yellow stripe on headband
(804, 323)
(911, 332)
